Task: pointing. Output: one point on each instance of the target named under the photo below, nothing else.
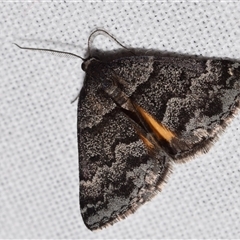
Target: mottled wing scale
(194, 98)
(138, 115)
(117, 174)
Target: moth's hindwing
(136, 116)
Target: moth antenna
(50, 50)
(109, 35)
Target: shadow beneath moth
(139, 112)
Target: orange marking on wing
(159, 129)
(146, 142)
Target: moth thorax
(117, 94)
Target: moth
(137, 116)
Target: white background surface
(38, 135)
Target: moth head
(88, 62)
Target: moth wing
(195, 98)
(117, 174)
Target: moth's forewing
(117, 174)
(193, 97)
